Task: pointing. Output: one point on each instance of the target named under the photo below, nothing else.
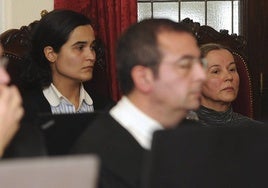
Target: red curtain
(110, 18)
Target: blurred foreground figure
(11, 110)
(161, 76)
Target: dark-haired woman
(62, 58)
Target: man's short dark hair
(139, 46)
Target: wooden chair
(16, 44)
(206, 34)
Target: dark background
(255, 29)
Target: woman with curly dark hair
(62, 58)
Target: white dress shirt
(138, 124)
(60, 104)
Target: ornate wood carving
(206, 34)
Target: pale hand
(11, 112)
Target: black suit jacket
(29, 141)
(121, 156)
(34, 103)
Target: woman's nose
(228, 75)
(91, 54)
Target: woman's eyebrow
(79, 43)
(215, 65)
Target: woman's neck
(69, 90)
(216, 105)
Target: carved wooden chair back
(206, 34)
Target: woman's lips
(88, 67)
(228, 89)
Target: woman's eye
(92, 48)
(215, 71)
(233, 70)
(80, 47)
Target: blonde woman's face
(222, 82)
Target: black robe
(121, 155)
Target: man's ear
(143, 78)
(50, 54)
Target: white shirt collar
(54, 97)
(138, 124)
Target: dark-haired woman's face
(76, 58)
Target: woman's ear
(142, 77)
(50, 54)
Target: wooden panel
(256, 30)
